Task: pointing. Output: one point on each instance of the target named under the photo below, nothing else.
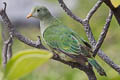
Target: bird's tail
(99, 69)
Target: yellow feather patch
(115, 3)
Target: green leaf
(24, 62)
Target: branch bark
(93, 10)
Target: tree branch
(94, 9)
(90, 36)
(7, 43)
(103, 33)
(69, 12)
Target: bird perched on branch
(60, 38)
(114, 5)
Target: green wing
(63, 38)
(69, 43)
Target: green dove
(60, 38)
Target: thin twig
(105, 58)
(9, 52)
(91, 38)
(69, 12)
(5, 5)
(94, 9)
(4, 54)
(4, 51)
(103, 33)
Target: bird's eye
(38, 10)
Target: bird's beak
(29, 15)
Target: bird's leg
(62, 56)
(55, 55)
(39, 40)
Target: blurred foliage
(57, 71)
(25, 62)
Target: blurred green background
(54, 70)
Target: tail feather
(99, 69)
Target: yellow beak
(29, 15)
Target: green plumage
(56, 35)
(59, 36)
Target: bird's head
(39, 12)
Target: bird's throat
(46, 23)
